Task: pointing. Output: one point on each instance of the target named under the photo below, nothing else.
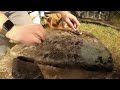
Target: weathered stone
(66, 49)
(3, 45)
(24, 69)
(51, 72)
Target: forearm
(3, 19)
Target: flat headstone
(66, 49)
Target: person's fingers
(33, 40)
(76, 23)
(39, 31)
(40, 34)
(75, 26)
(70, 24)
(37, 39)
(42, 30)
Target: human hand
(70, 19)
(27, 34)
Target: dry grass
(108, 36)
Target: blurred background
(110, 17)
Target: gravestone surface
(67, 50)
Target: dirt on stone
(64, 51)
(65, 54)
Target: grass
(108, 36)
(103, 23)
